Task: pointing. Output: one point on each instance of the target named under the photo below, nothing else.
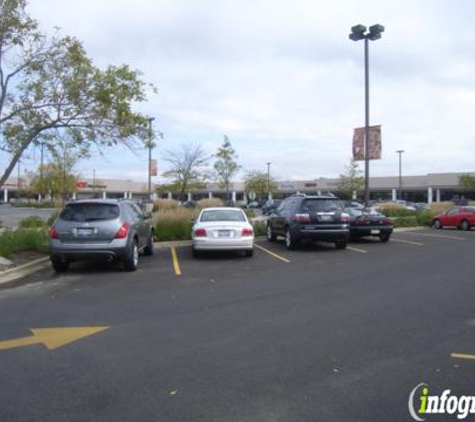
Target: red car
(460, 217)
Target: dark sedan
(364, 224)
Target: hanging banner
(374, 143)
(153, 167)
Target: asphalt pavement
(11, 216)
(314, 334)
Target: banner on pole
(153, 167)
(374, 143)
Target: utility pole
(150, 140)
(268, 180)
(400, 151)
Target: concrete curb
(23, 270)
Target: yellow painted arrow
(52, 338)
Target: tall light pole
(41, 173)
(150, 145)
(400, 151)
(268, 180)
(358, 32)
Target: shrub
(423, 217)
(23, 240)
(249, 212)
(405, 222)
(260, 228)
(32, 222)
(164, 204)
(395, 210)
(212, 202)
(174, 224)
(52, 218)
(440, 207)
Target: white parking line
(409, 242)
(351, 248)
(441, 236)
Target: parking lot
(314, 334)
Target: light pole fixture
(150, 145)
(268, 180)
(358, 33)
(400, 151)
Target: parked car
(222, 229)
(353, 204)
(270, 205)
(461, 217)
(100, 229)
(309, 217)
(364, 224)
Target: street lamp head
(375, 32)
(357, 32)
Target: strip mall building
(425, 188)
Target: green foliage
(23, 240)
(405, 222)
(260, 228)
(166, 230)
(226, 167)
(32, 222)
(398, 212)
(351, 181)
(52, 218)
(51, 89)
(256, 181)
(467, 182)
(249, 212)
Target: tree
(226, 166)
(467, 182)
(351, 182)
(256, 181)
(186, 170)
(49, 88)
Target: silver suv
(104, 229)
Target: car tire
(341, 244)
(60, 266)
(384, 237)
(149, 249)
(248, 253)
(437, 224)
(131, 261)
(290, 241)
(465, 225)
(271, 237)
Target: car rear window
(222, 215)
(89, 212)
(322, 205)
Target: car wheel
(131, 261)
(248, 253)
(465, 225)
(341, 244)
(384, 237)
(437, 224)
(290, 241)
(271, 237)
(60, 266)
(149, 249)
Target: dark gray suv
(103, 229)
(302, 217)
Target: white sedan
(222, 229)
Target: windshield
(354, 212)
(322, 205)
(222, 215)
(89, 212)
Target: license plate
(85, 231)
(325, 218)
(374, 231)
(224, 233)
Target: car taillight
(360, 222)
(200, 233)
(247, 232)
(302, 218)
(122, 233)
(387, 222)
(345, 218)
(53, 233)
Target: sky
(284, 82)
